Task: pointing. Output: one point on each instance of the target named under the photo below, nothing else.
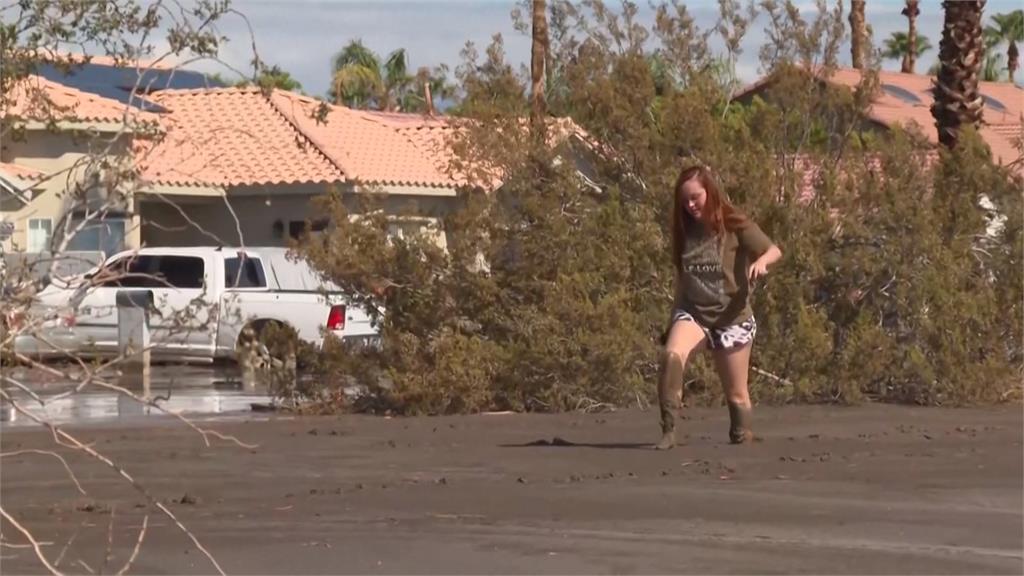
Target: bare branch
(773, 377)
(110, 541)
(152, 402)
(5, 544)
(24, 389)
(138, 546)
(78, 485)
(69, 440)
(36, 546)
(69, 543)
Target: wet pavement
(191, 390)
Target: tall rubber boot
(670, 396)
(740, 418)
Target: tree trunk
(957, 99)
(538, 109)
(911, 11)
(858, 33)
(428, 97)
(1012, 59)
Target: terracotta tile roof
(1004, 104)
(906, 99)
(19, 171)
(36, 98)
(244, 136)
(373, 147)
(231, 137)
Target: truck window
(244, 273)
(156, 272)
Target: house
(905, 100)
(240, 165)
(48, 166)
(61, 129)
(243, 165)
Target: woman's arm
(760, 266)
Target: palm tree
(858, 33)
(1007, 28)
(992, 69)
(911, 11)
(361, 81)
(427, 86)
(538, 56)
(897, 47)
(961, 51)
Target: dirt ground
(873, 489)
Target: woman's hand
(760, 266)
(756, 270)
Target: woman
(718, 253)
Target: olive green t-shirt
(712, 281)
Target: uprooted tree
(902, 274)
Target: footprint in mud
(93, 507)
(700, 465)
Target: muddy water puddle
(197, 391)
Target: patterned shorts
(722, 338)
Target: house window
(40, 230)
(99, 235)
(299, 228)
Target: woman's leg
(733, 365)
(684, 338)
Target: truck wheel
(267, 346)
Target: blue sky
(302, 35)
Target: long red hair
(718, 215)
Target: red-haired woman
(718, 252)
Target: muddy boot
(670, 396)
(739, 424)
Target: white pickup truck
(204, 299)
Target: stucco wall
(208, 221)
(63, 155)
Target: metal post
(133, 308)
